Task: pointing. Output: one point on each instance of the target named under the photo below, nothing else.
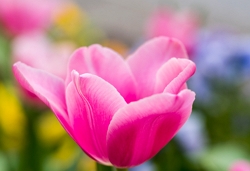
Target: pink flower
(26, 15)
(36, 50)
(119, 112)
(240, 166)
(180, 25)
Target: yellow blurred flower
(86, 164)
(51, 133)
(71, 23)
(67, 150)
(12, 119)
(70, 19)
(49, 130)
(66, 154)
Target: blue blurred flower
(147, 166)
(222, 56)
(192, 136)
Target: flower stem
(119, 169)
(100, 167)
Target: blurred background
(43, 34)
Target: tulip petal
(139, 130)
(146, 61)
(49, 88)
(92, 103)
(173, 75)
(106, 64)
(179, 82)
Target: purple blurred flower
(192, 136)
(147, 166)
(222, 56)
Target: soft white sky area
(127, 17)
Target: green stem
(100, 167)
(119, 169)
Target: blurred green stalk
(100, 167)
(117, 169)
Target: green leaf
(220, 157)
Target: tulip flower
(164, 21)
(38, 51)
(120, 112)
(241, 165)
(26, 15)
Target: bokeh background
(44, 33)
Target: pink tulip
(36, 50)
(22, 16)
(180, 25)
(240, 166)
(119, 112)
